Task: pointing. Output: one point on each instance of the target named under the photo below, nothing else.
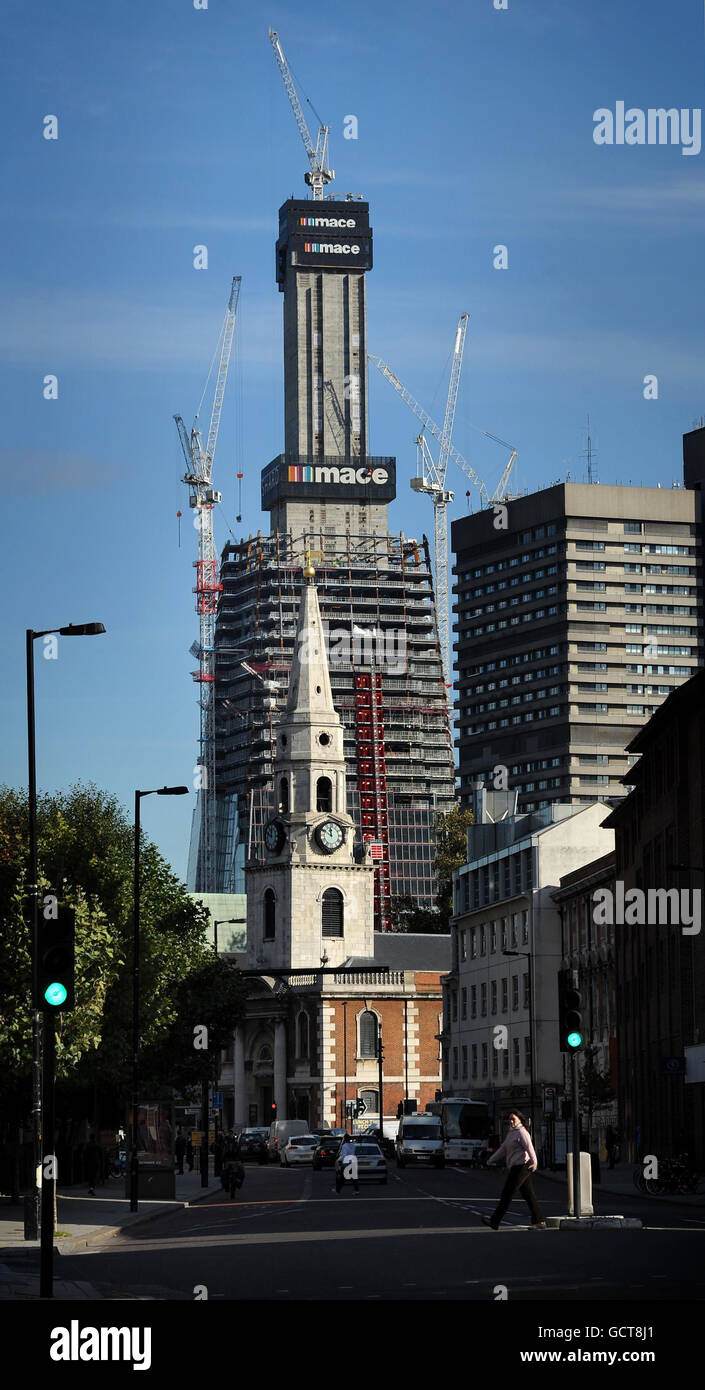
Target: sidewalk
(619, 1182)
(83, 1220)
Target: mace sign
(325, 235)
(372, 479)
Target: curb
(674, 1201)
(76, 1243)
(594, 1223)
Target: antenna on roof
(589, 453)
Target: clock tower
(312, 893)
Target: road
(288, 1236)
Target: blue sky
(474, 129)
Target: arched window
(283, 796)
(268, 905)
(371, 1100)
(324, 794)
(332, 912)
(302, 1035)
(368, 1034)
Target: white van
(280, 1132)
(419, 1140)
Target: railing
(370, 977)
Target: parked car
(371, 1162)
(299, 1149)
(420, 1141)
(280, 1132)
(253, 1144)
(326, 1150)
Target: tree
(451, 853)
(85, 853)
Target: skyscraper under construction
(327, 498)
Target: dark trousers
(518, 1179)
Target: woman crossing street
(520, 1157)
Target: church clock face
(329, 836)
(274, 837)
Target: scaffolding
(377, 604)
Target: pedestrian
(232, 1175)
(346, 1165)
(92, 1162)
(189, 1153)
(520, 1158)
(180, 1150)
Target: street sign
(361, 1108)
(217, 1103)
(673, 1066)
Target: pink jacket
(517, 1148)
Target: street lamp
(134, 1170)
(39, 1133)
(527, 956)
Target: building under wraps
(327, 498)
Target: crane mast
(319, 174)
(202, 498)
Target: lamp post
(42, 1135)
(134, 1168)
(225, 922)
(527, 956)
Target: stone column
(239, 1083)
(280, 1068)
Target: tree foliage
(85, 854)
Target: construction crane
(431, 476)
(431, 479)
(319, 174)
(202, 498)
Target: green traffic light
(574, 1039)
(55, 994)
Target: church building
(329, 984)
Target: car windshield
(421, 1132)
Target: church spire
(310, 695)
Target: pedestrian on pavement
(92, 1160)
(232, 1174)
(180, 1150)
(189, 1153)
(520, 1157)
(347, 1160)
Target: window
(283, 796)
(368, 1034)
(473, 1001)
(526, 989)
(515, 1050)
(324, 794)
(515, 991)
(455, 1063)
(474, 1059)
(463, 934)
(268, 906)
(484, 1060)
(463, 1003)
(505, 1061)
(527, 1054)
(465, 1063)
(493, 997)
(332, 912)
(504, 995)
(302, 1035)
(371, 1100)
(483, 999)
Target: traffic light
(273, 1109)
(56, 958)
(570, 1020)
(400, 1109)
